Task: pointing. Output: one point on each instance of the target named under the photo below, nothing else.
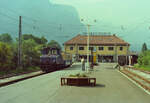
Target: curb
(20, 79)
(144, 71)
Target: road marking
(134, 82)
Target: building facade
(105, 48)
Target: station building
(105, 48)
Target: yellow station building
(106, 48)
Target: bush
(136, 65)
(144, 58)
(78, 75)
(31, 55)
(5, 56)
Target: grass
(142, 67)
(147, 68)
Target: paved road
(111, 87)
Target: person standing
(83, 64)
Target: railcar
(67, 59)
(52, 59)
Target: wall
(104, 52)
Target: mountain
(41, 18)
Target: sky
(118, 11)
(129, 19)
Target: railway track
(24, 78)
(144, 82)
(20, 79)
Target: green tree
(38, 40)
(54, 43)
(43, 40)
(31, 49)
(31, 54)
(144, 58)
(5, 56)
(14, 47)
(144, 47)
(6, 38)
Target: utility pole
(116, 57)
(20, 43)
(127, 58)
(88, 44)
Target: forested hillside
(41, 18)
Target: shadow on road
(97, 86)
(100, 85)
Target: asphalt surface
(112, 87)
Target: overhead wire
(36, 20)
(32, 25)
(32, 22)
(47, 22)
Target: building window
(110, 48)
(81, 48)
(71, 48)
(91, 48)
(121, 48)
(101, 48)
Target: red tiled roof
(97, 40)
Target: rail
(143, 82)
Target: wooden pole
(20, 43)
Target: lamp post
(88, 44)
